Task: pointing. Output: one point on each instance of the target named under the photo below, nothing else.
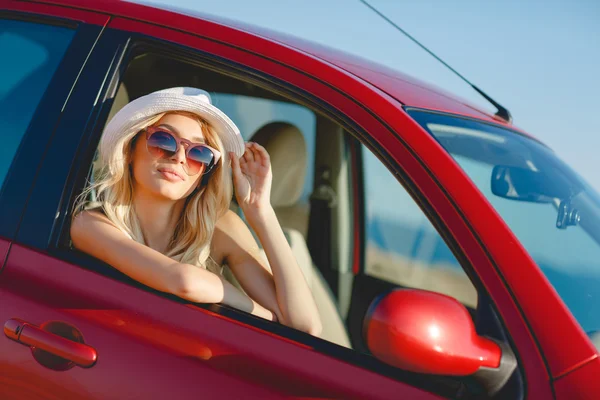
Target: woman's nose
(179, 155)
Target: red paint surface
(93, 18)
(428, 332)
(581, 383)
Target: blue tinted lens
(201, 154)
(162, 144)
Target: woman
(163, 184)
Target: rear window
(31, 54)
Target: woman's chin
(172, 191)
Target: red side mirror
(427, 332)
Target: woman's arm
(295, 305)
(93, 233)
(296, 302)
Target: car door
(85, 331)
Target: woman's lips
(170, 175)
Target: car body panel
(70, 13)
(581, 383)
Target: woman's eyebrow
(195, 139)
(198, 139)
(170, 127)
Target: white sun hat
(194, 100)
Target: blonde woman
(163, 187)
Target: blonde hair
(113, 188)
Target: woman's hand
(252, 178)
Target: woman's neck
(158, 219)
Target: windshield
(553, 212)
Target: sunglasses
(199, 157)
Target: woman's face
(166, 177)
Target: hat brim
(156, 103)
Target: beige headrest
(287, 149)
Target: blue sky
(540, 59)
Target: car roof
(406, 89)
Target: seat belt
(322, 200)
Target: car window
(402, 246)
(32, 52)
(286, 129)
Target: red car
(451, 255)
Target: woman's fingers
(254, 156)
(260, 153)
(235, 164)
(249, 154)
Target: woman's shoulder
(88, 215)
(92, 232)
(90, 222)
(229, 222)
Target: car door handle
(35, 337)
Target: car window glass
(402, 246)
(32, 53)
